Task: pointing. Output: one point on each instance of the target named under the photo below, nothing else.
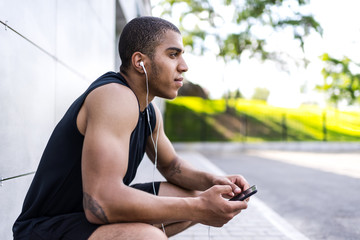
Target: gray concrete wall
(70, 43)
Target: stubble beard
(154, 86)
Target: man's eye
(173, 54)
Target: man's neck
(137, 84)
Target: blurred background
(266, 71)
(259, 71)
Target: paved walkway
(343, 163)
(255, 223)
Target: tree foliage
(240, 25)
(236, 94)
(261, 94)
(341, 82)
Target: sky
(341, 37)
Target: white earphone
(155, 142)
(142, 64)
(143, 67)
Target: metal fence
(265, 124)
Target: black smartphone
(245, 194)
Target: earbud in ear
(143, 67)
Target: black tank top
(57, 185)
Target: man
(81, 188)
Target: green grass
(196, 119)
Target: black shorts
(75, 226)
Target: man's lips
(179, 81)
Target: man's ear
(136, 59)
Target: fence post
(203, 133)
(244, 130)
(324, 126)
(284, 127)
(246, 127)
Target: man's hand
(217, 210)
(237, 183)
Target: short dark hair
(142, 34)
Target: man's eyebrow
(179, 50)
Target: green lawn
(196, 119)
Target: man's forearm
(181, 173)
(131, 205)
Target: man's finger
(235, 188)
(223, 189)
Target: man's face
(165, 77)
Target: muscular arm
(179, 172)
(171, 166)
(107, 124)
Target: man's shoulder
(111, 104)
(116, 96)
(114, 91)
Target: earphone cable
(151, 135)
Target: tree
(191, 89)
(340, 81)
(261, 94)
(239, 26)
(233, 94)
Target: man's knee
(153, 233)
(124, 231)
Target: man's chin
(170, 96)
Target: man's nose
(183, 67)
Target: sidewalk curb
(274, 218)
(280, 223)
(285, 146)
